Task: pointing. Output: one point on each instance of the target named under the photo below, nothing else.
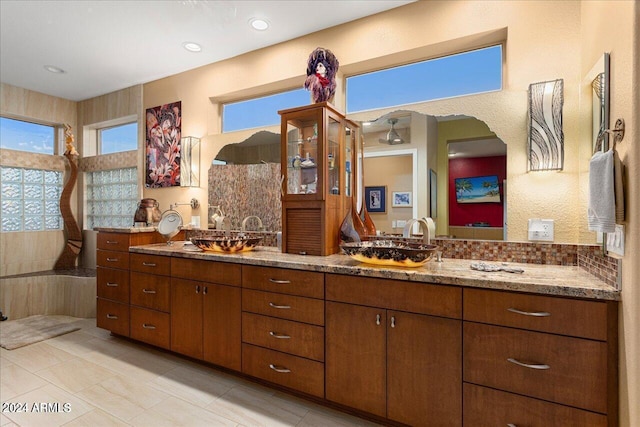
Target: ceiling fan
(393, 137)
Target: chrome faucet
(424, 226)
(244, 223)
(225, 223)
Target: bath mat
(29, 330)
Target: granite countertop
(133, 230)
(569, 281)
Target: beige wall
(613, 26)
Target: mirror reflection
(244, 177)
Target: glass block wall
(111, 197)
(30, 199)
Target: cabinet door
(355, 360)
(186, 317)
(424, 374)
(222, 313)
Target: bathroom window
(466, 73)
(26, 136)
(116, 139)
(111, 198)
(260, 112)
(30, 199)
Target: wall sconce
(190, 162)
(546, 138)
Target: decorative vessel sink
(390, 253)
(227, 244)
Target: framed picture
(163, 145)
(433, 194)
(376, 199)
(401, 199)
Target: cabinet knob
(529, 365)
(197, 289)
(279, 306)
(279, 336)
(529, 313)
(279, 369)
(393, 321)
(204, 290)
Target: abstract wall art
(163, 134)
(546, 138)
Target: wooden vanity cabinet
(206, 311)
(393, 349)
(149, 282)
(283, 327)
(556, 354)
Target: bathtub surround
(56, 292)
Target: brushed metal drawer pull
(149, 291)
(197, 289)
(204, 290)
(378, 319)
(112, 259)
(147, 326)
(511, 425)
(280, 336)
(112, 242)
(529, 365)
(112, 285)
(112, 316)
(529, 313)
(393, 321)
(149, 264)
(281, 370)
(280, 282)
(279, 306)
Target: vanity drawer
(153, 264)
(292, 282)
(112, 316)
(112, 259)
(424, 298)
(207, 271)
(113, 284)
(113, 241)
(587, 319)
(283, 306)
(488, 407)
(150, 326)
(571, 371)
(295, 338)
(289, 371)
(151, 291)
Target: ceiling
(104, 46)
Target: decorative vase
(367, 222)
(352, 228)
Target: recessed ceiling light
(259, 24)
(192, 47)
(54, 69)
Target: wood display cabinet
(317, 157)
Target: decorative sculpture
(67, 259)
(322, 68)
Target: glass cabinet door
(334, 156)
(302, 156)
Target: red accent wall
(461, 214)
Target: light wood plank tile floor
(90, 378)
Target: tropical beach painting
(479, 189)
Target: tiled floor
(101, 380)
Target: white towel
(601, 213)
